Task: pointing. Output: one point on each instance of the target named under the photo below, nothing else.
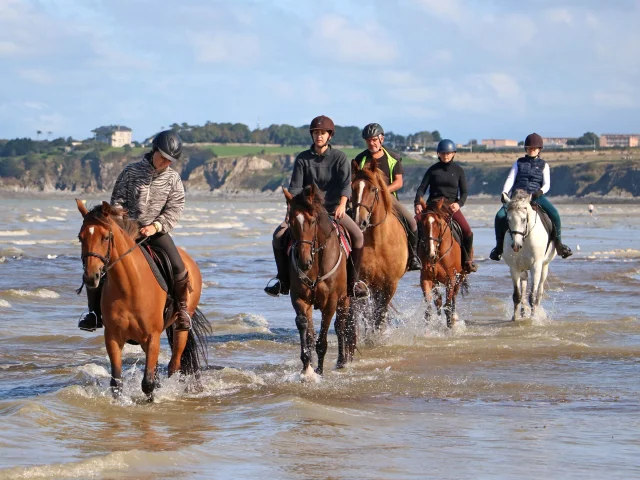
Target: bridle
(315, 249)
(437, 240)
(369, 208)
(527, 230)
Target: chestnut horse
(441, 259)
(318, 272)
(386, 251)
(132, 300)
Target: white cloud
(225, 47)
(334, 37)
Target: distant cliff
(202, 172)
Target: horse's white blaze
(432, 247)
(300, 218)
(360, 192)
(91, 230)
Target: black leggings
(165, 242)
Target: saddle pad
(546, 221)
(152, 258)
(456, 231)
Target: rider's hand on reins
(418, 209)
(454, 207)
(148, 230)
(339, 212)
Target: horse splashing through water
(527, 249)
(441, 258)
(386, 252)
(132, 300)
(318, 272)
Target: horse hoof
(309, 375)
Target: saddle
(161, 267)
(546, 222)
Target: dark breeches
(165, 242)
(408, 216)
(464, 225)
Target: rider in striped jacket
(153, 194)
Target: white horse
(526, 249)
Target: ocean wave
(37, 293)
(222, 225)
(4, 304)
(242, 322)
(13, 233)
(33, 219)
(60, 219)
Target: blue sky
(468, 68)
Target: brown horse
(318, 272)
(132, 300)
(385, 253)
(441, 259)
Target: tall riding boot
(469, 264)
(561, 249)
(496, 253)
(281, 287)
(414, 259)
(181, 288)
(355, 288)
(93, 319)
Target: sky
(467, 68)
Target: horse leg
(152, 349)
(321, 343)
(523, 288)
(517, 292)
(114, 349)
(342, 331)
(536, 276)
(438, 301)
(427, 291)
(179, 344)
(448, 307)
(543, 280)
(303, 319)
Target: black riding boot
(414, 259)
(496, 253)
(93, 319)
(561, 249)
(181, 289)
(281, 287)
(469, 264)
(355, 288)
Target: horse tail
(195, 354)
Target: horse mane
(119, 215)
(377, 178)
(442, 211)
(519, 200)
(315, 206)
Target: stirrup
(495, 255)
(89, 328)
(366, 287)
(269, 289)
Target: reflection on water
(555, 395)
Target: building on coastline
(499, 143)
(114, 135)
(556, 141)
(620, 140)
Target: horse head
(304, 210)
(518, 210)
(435, 224)
(369, 191)
(96, 238)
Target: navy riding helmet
(446, 146)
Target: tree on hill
(589, 138)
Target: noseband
(369, 208)
(437, 240)
(527, 230)
(104, 259)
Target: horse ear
(287, 194)
(82, 207)
(440, 203)
(504, 198)
(312, 192)
(106, 209)
(373, 165)
(355, 166)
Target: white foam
(13, 233)
(60, 219)
(4, 304)
(222, 225)
(37, 293)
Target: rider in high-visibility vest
(391, 165)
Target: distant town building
(556, 141)
(114, 135)
(499, 142)
(619, 140)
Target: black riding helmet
(372, 130)
(169, 144)
(533, 140)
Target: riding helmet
(446, 146)
(322, 123)
(533, 140)
(169, 144)
(372, 130)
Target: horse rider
(152, 193)
(391, 165)
(446, 179)
(531, 174)
(330, 170)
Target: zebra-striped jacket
(148, 195)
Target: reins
(370, 208)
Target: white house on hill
(114, 135)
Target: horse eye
(105, 238)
